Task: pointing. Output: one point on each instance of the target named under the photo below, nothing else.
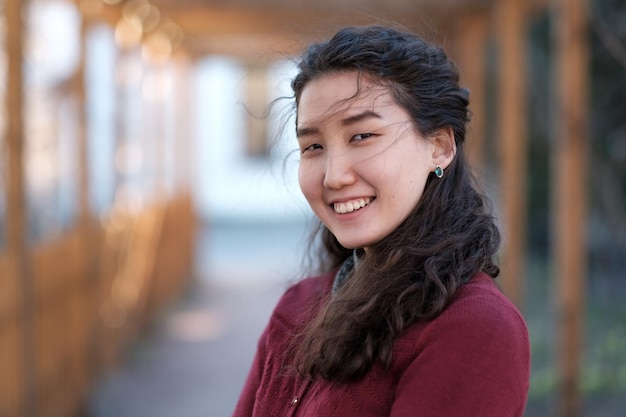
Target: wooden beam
(259, 30)
(16, 201)
(211, 27)
(511, 134)
(571, 77)
(204, 19)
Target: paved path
(196, 359)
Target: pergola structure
(259, 31)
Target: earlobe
(444, 147)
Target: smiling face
(363, 164)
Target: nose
(339, 172)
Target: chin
(355, 243)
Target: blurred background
(150, 215)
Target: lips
(351, 205)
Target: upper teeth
(350, 206)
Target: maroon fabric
(472, 360)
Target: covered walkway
(101, 188)
(194, 360)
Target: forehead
(340, 93)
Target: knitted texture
(472, 360)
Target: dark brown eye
(362, 136)
(313, 147)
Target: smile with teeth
(350, 206)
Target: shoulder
(478, 348)
(479, 314)
(481, 303)
(483, 324)
(303, 296)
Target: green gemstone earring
(439, 171)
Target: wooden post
(159, 116)
(183, 122)
(89, 325)
(16, 201)
(256, 96)
(569, 201)
(511, 135)
(471, 40)
(121, 125)
(83, 151)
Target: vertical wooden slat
(569, 202)
(470, 45)
(183, 122)
(159, 138)
(16, 201)
(10, 344)
(80, 352)
(121, 124)
(257, 98)
(81, 120)
(511, 135)
(85, 299)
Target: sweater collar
(346, 269)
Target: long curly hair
(412, 274)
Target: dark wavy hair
(413, 273)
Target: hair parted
(413, 273)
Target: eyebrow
(306, 131)
(367, 114)
(350, 120)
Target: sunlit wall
(232, 183)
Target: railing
(94, 289)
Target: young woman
(406, 319)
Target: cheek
(307, 179)
(407, 183)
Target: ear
(444, 147)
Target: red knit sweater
(472, 360)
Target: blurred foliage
(607, 234)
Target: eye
(313, 147)
(362, 136)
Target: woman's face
(363, 164)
